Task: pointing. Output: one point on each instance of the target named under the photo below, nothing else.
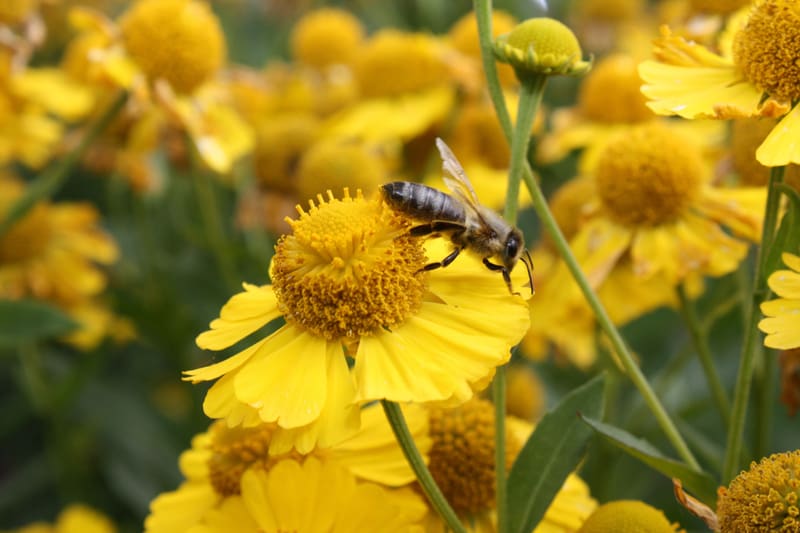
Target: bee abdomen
(422, 202)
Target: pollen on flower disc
(767, 48)
(763, 498)
(649, 175)
(233, 451)
(348, 269)
(462, 454)
(627, 516)
(180, 41)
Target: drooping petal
(287, 379)
(782, 145)
(243, 314)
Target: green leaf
(701, 484)
(28, 320)
(551, 454)
(787, 238)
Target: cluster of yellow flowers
(356, 314)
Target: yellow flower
(463, 36)
(76, 518)
(782, 324)
(169, 55)
(656, 205)
(609, 99)
(218, 458)
(348, 282)
(326, 37)
(462, 463)
(54, 253)
(314, 497)
(755, 76)
(763, 498)
(627, 516)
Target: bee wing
(455, 178)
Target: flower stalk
(752, 348)
(401, 432)
(483, 9)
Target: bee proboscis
(469, 224)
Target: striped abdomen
(422, 202)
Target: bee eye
(512, 246)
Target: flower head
(627, 516)
(541, 46)
(75, 518)
(55, 253)
(326, 37)
(462, 463)
(763, 498)
(180, 41)
(663, 210)
(219, 458)
(756, 76)
(349, 278)
(782, 324)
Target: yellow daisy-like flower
(54, 253)
(169, 54)
(628, 516)
(609, 99)
(325, 37)
(76, 518)
(782, 324)
(462, 463)
(218, 458)
(314, 497)
(755, 76)
(348, 282)
(763, 498)
(656, 204)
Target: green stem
(212, 224)
(500, 477)
(767, 389)
(700, 340)
(398, 422)
(530, 96)
(50, 181)
(483, 13)
(752, 347)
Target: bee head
(513, 251)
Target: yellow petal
(287, 379)
(791, 260)
(698, 92)
(785, 284)
(180, 509)
(339, 419)
(243, 314)
(221, 402)
(782, 145)
(225, 366)
(783, 332)
(598, 247)
(780, 307)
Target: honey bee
(470, 225)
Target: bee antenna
(526, 259)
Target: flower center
(462, 455)
(648, 176)
(234, 450)
(326, 37)
(29, 236)
(611, 92)
(767, 47)
(348, 269)
(763, 498)
(180, 41)
(393, 63)
(627, 516)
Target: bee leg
(504, 270)
(444, 262)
